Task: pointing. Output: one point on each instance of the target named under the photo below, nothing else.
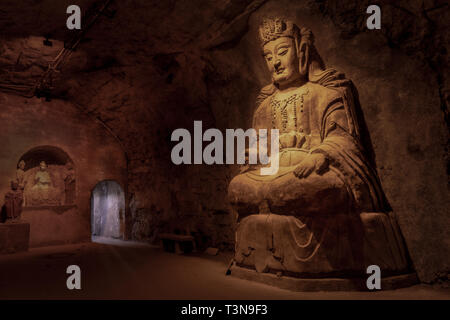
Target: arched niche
(47, 177)
(108, 210)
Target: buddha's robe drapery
(324, 117)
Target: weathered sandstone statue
(14, 232)
(21, 179)
(324, 214)
(13, 202)
(69, 184)
(43, 191)
(20, 175)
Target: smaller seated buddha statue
(43, 191)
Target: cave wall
(158, 66)
(401, 96)
(30, 123)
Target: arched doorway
(108, 210)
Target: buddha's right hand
(315, 162)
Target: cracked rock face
(156, 66)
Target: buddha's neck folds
(292, 85)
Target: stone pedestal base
(14, 237)
(308, 253)
(56, 225)
(322, 284)
(339, 244)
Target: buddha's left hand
(313, 162)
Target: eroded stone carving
(43, 191)
(13, 202)
(69, 184)
(324, 212)
(20, 175)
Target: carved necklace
(282, 107)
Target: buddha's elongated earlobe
(303, 55)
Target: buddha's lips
(279, 71)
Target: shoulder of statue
(264, 97)
(265, 93)
(325, 95)
(262, 113)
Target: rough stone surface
(14, 237)
(157, 66)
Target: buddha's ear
(303, 57)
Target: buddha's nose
(277, 64)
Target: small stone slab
(175, 237)
(176, 242)
(212, 251)
(14, 237)
(322, 284)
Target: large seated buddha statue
(324, 212)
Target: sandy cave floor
(113, 269)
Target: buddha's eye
(269, 57)
(283, 51)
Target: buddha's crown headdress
(274, 28)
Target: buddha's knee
(316, 194)
(244, 195)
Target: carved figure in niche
(13, 202)
(43, 191)
(20, 175)
(324, 212)
(20, 178)
(69, 184)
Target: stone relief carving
(324, 212)
(20, 175)
(12, 208)
(69, 183)
(43, 191)
(44, 184)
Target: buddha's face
(22, 165)
(282, 61)
(43, 166)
